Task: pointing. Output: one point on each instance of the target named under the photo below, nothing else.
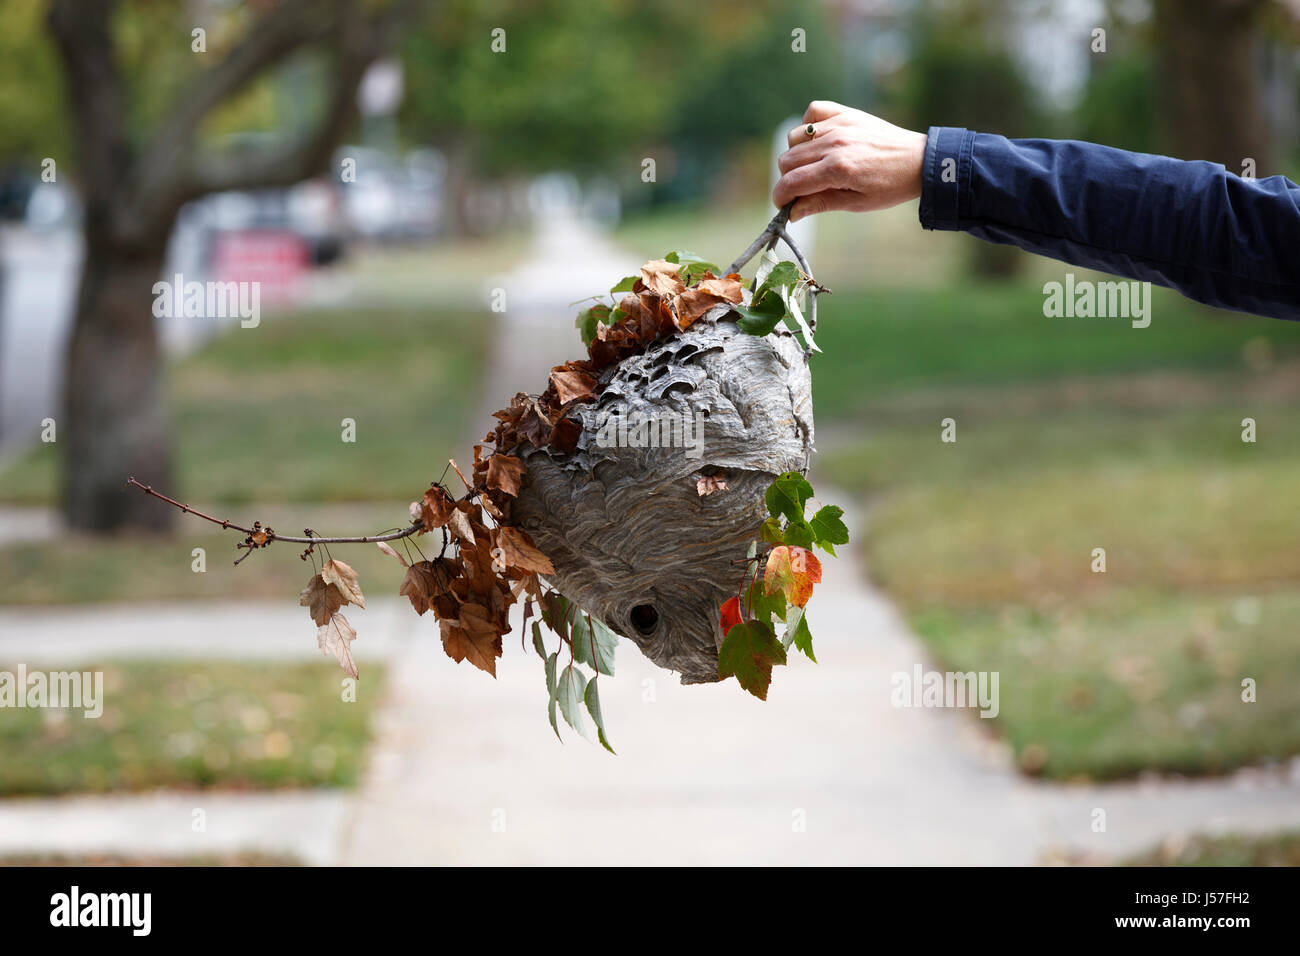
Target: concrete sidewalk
(826, 771)
(304, 826)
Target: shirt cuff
(945, 177)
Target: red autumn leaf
(794, 571)
(730, 612)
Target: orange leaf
(794, 571)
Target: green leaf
(550, 690)
(624, 285)
(763, 606)
(538, 644)
(592, 698)
(755, 321)
(569, 690)
(681, 255)
(748, 653)
(787, 494)
(587, 321)
(771, 531)
(752, 553)
(799, 533)
(784, 275)
(827, 528)
(587, 631)
(797, 633)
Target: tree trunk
(114, 425)
(1207, 53)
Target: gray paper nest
(632, 540)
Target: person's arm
(1226, 241)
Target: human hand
(853, 161)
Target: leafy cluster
(669, 296)
(780, 571)
(486, 564)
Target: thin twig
(778, 222)
(772, 232)
(271, 535)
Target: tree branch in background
(83, 35)
(175, 172)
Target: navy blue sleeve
(1226, 241)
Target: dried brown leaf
(505, 473)
(321, 599)
(519, 551)
(336, 637)
(345, 579)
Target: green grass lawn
(195, 724)
(1070, 438)
(878, 342)
(257, 414)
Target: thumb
(824, 201)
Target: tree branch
(175, 172)
(772, 232)
(273, 536)
(290, 26)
